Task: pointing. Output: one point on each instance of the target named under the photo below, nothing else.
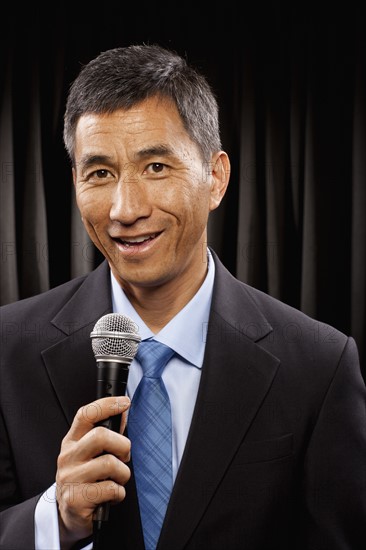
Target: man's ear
(220, 175)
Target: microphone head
(115, 337)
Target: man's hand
(91, 467)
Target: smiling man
(267, 436)
(144, 193)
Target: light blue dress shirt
(186, 334)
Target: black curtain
(291, 86)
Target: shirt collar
(186, 332)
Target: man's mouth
(137, 241)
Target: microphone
(115, 340)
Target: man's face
(144, 193)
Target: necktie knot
(153, 356)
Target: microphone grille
(115, 336)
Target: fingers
(97, 441)
(84, 490)
(91, 465)
(92, 413)
(85, 442)
(76, 504)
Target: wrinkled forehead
(153, 125)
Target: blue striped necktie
(150, 432)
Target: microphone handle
(111, 381)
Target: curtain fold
(308, 281)
(34, 237)
(9, 287)
(358, 263)
(249, 238)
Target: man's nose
(129, 201)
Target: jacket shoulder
(47, 304)
(51, 300)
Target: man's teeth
(138, 240)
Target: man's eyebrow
(91, 160)
(154, 150)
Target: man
(269, 431)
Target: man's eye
(155, 167)
(101, 174)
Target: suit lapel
(69, 361)
(236, 376)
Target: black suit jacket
(276, 453)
